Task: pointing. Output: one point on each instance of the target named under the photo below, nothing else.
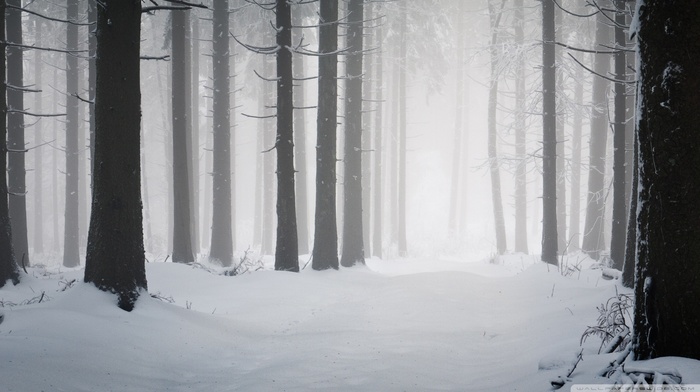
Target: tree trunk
(71, 234)
(620, 207)
(377, 244)
(631, 244)
(575, 206)
(325, 252)
(8, 265)
(38, 140)
(520, 139)
(353, 249)
(401, 212)
(54, 172)
(497, 200)
(368, 81)
(667, 293)
(458, 131)
(287, 248)
(267, 244)
(561, 138)
(182, 225)
(194, 107)
(593, 242)
(15, 137)
(549, 137)
(221, 249)
(115, 259)
(300, 140)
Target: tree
(377, 228)
(298, 13)
(221, 227)
(401, 166)
(497, 200)
(8, 265)
(593, 242)
(325, 251)
(115, 259)
(286, 250)
(38, 242)
(620, 207)
(15, 133)
(520, 140)
(549, 137)
(353, 248)
(667, 293)
(71, 234)
(182, 227)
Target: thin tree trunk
(353, 249)
(221, 248)
(8, 265)
(71, 234)
(549, 138)
(561, 140)
(367, 91)
(54, 172)
(458, 131)
(325, 252)
(403, 246)
(631, 244)
(182, 225)
(620, 208)
(497, 200)
(377, 244)
(194, 106)
(520, 140)
(192, 153)
(268, 208)
(593, 242)
(287, 248)
(38, 140)
(300, 139)
(575, 206)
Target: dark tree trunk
(593, 242)
(182, 226)
(115, 258)
(377, 244)
(71, 233)
(221, 248)
(667, 293)
(549, 137)
(496, 198)
(194, 109)
(520, 139)
(54, 172)
(353, 249)
(325, 252)
(401, 189)
(192, 154)
(300, 141)
(287, 248)
(620, 207)
(561, 137)
(39, 217)
(8, 265)
(15, 135)
(92, 76)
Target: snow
(414, 324)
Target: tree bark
(8, 265)
(325, 252)
(353, 248)
(15, 135)
(71, 234)
(115, 260)
(593, 242)
(287, 248)
(377, 227)
(520, 139)
(620, 207)
(496, 198)
(549, 137)
(300, 140)
(182, 216)
(667, 293)
(38, 244)
(401, 212)
(221, 249)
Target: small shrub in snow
(614, 323)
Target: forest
(350, 195)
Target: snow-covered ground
(399, 325)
